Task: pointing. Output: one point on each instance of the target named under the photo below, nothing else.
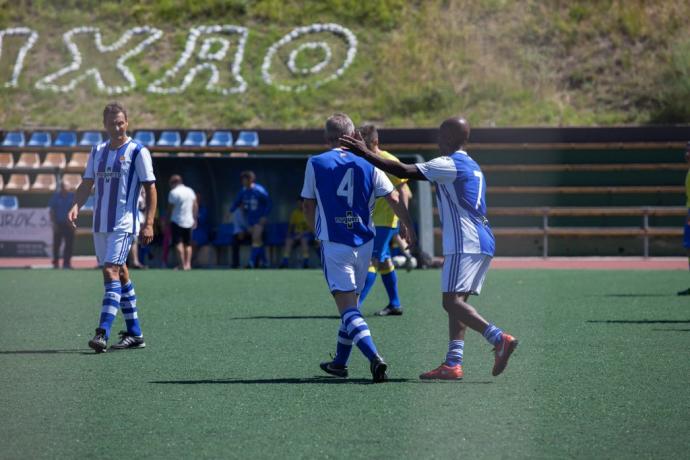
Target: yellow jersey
(687, 189)
(298, 223)
(383, 213)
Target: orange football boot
(444, 372)
(502, 353)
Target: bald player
(468, 243)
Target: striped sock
(128, 304)
(493, 334)
(390, 282)
(358, 332)
(343, 347)
(454, 355)
(111, 303)
(368, 284)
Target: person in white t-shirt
(182, 210)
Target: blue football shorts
(382, 243)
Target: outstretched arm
(357, 146)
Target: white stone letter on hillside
(214, 44)
(335, 29)
(32, 36)
(79, 74)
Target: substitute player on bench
(118, 168)
(468, 243)
(339, 193)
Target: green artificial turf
(231, 369)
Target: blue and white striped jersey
(345, 188)
(118, 175)
(461, 200)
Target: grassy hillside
(502, 63)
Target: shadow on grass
(284, 317)
(279, 381)
(640, 321)
(308, 381)
(637, 295)
(671, 330)
(83, 351)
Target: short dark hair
(370, 134)
(113, 109)
(249, 175)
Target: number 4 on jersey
(346, 188)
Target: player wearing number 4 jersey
(339, 193)
(468, 243)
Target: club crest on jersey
(122, 159)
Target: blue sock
(358, 332)
(493, 334)
(368, 284)
(343, 347)
(454, 355)
(128, 304)
(261, 257)
(390, 281)
(253, 256)
(111, 303)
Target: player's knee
(455, 303)
(111, 272)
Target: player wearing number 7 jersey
(468, 243)
(339, 193)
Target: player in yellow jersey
(386, 227)
(298, 230)
(686, 233)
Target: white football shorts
(112, 247)
(345, 267)
(464, 272)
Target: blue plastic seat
(88, 206)
(91, 138)
(276, 233)
(170, 139)
(9, 202)
(221, 139)
(146, 138)
(14, 139)
(247, 139)
(195, 139)
(65, 139)
(224, 235)
(200, 236)
(40, 139)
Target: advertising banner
(26, 232)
